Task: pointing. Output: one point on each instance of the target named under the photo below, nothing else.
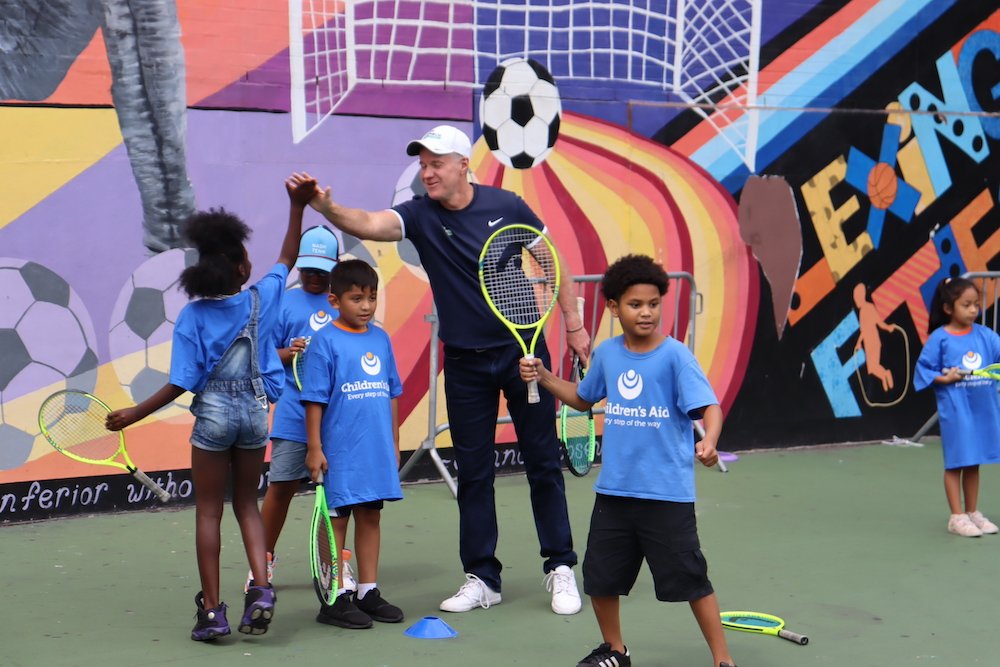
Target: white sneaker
(473, 594)
(271, 560)
(983, 524)
(561, 582)
(961, 524)
(350, 583)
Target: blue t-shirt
(449, 243)
(354, 375)
(969, 411)
(648, 445)
(302, 315)
(207, 327)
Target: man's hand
(579, 342)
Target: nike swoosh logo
(493, 223)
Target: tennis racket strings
(76, 423)
(324, 552)
(519, 275)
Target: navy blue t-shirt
(449, 243)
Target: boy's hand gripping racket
(298, 364)
(73, 422)
(519, 276)
(763, 624)
(323, 548)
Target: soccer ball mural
(520, 113)
(143, 323)
(47, 341)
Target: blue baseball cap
(318, 249)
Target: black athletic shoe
(605, 656)
(258, 610)
(344, 614)
(211, 623)
(378, 608)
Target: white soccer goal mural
(702, 52)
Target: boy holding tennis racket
(303, 312)
(644, 508)
(352, 434)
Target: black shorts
(625, 530)
(345, 511)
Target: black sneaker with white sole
(605, 656)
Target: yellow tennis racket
(298, 364)
(519, 276)
(991, 372)
(73, 422)
(762, 624)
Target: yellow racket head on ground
(73, 422)
(752, 621)
(519, 276)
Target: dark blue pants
(473, 380)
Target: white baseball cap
(442, 140)
(318, 249)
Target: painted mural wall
(816, 165)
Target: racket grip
(533, 396)
(801, 640)
(162, 494)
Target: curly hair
(633, 270)
(218, 235)
(947, 293)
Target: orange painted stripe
(811, 287)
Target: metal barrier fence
(989, 316)
(682, 294)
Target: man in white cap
(449, 227)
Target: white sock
(342, 591)
(364, 588)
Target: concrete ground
(847, 544)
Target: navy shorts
(624, 531)
(345, 511)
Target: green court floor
(847, 544)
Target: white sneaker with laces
(961, 524)
(473, 594)
(561, 582)
(983, 524)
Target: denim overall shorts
(231, 411)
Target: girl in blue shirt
(221, 353)
(968, 406)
